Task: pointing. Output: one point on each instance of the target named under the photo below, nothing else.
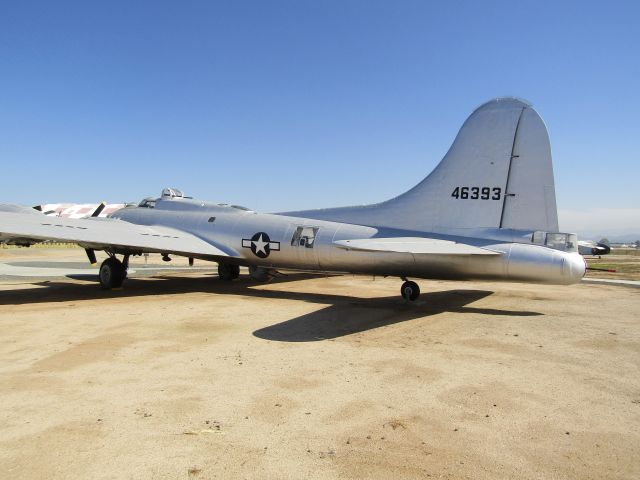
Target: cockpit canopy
(172, 193)
(167, 193)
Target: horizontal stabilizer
(415, 245)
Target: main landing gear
(228, 272)
(113, 272)
(410, 290)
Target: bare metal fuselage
(231, 230)
(486, 211)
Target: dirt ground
(184, 376)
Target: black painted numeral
(477, 193)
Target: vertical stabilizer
(497, 174)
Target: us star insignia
(260, 244)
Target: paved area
(180, 375)
(606, 281)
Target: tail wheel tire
(228, 272)
(410, 291)
(261, 274)
(112, 273)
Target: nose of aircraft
(573, 267)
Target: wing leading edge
(414, 245)
(105, 233)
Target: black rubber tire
(410, 291)
(260, 274)
(112, 273)
(228, 272)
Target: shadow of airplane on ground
(47, 291)
(350, 315)
(343, 315)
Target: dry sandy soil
(185, 376)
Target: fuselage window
(211, 219)
(304, 237)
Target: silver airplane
(589, 247)
(486, 212)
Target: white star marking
(260, 245)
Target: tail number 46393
(477, 193)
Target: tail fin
(497, 174)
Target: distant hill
(619, 238)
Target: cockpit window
(147, 203)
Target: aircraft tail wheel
(410, 291)
(228, 272)
(261, 274)
(112, 273)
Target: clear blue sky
(295, 104)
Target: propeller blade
(98, 210)
(91, 254)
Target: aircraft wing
(415, 245)
(103, 233)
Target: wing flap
(100, 233)
(414, 245)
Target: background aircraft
(487, 211)
(79, 210)
(589, 247)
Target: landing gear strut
(410, 291)
(113, 272)
(228, 272)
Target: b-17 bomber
(487, 211)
